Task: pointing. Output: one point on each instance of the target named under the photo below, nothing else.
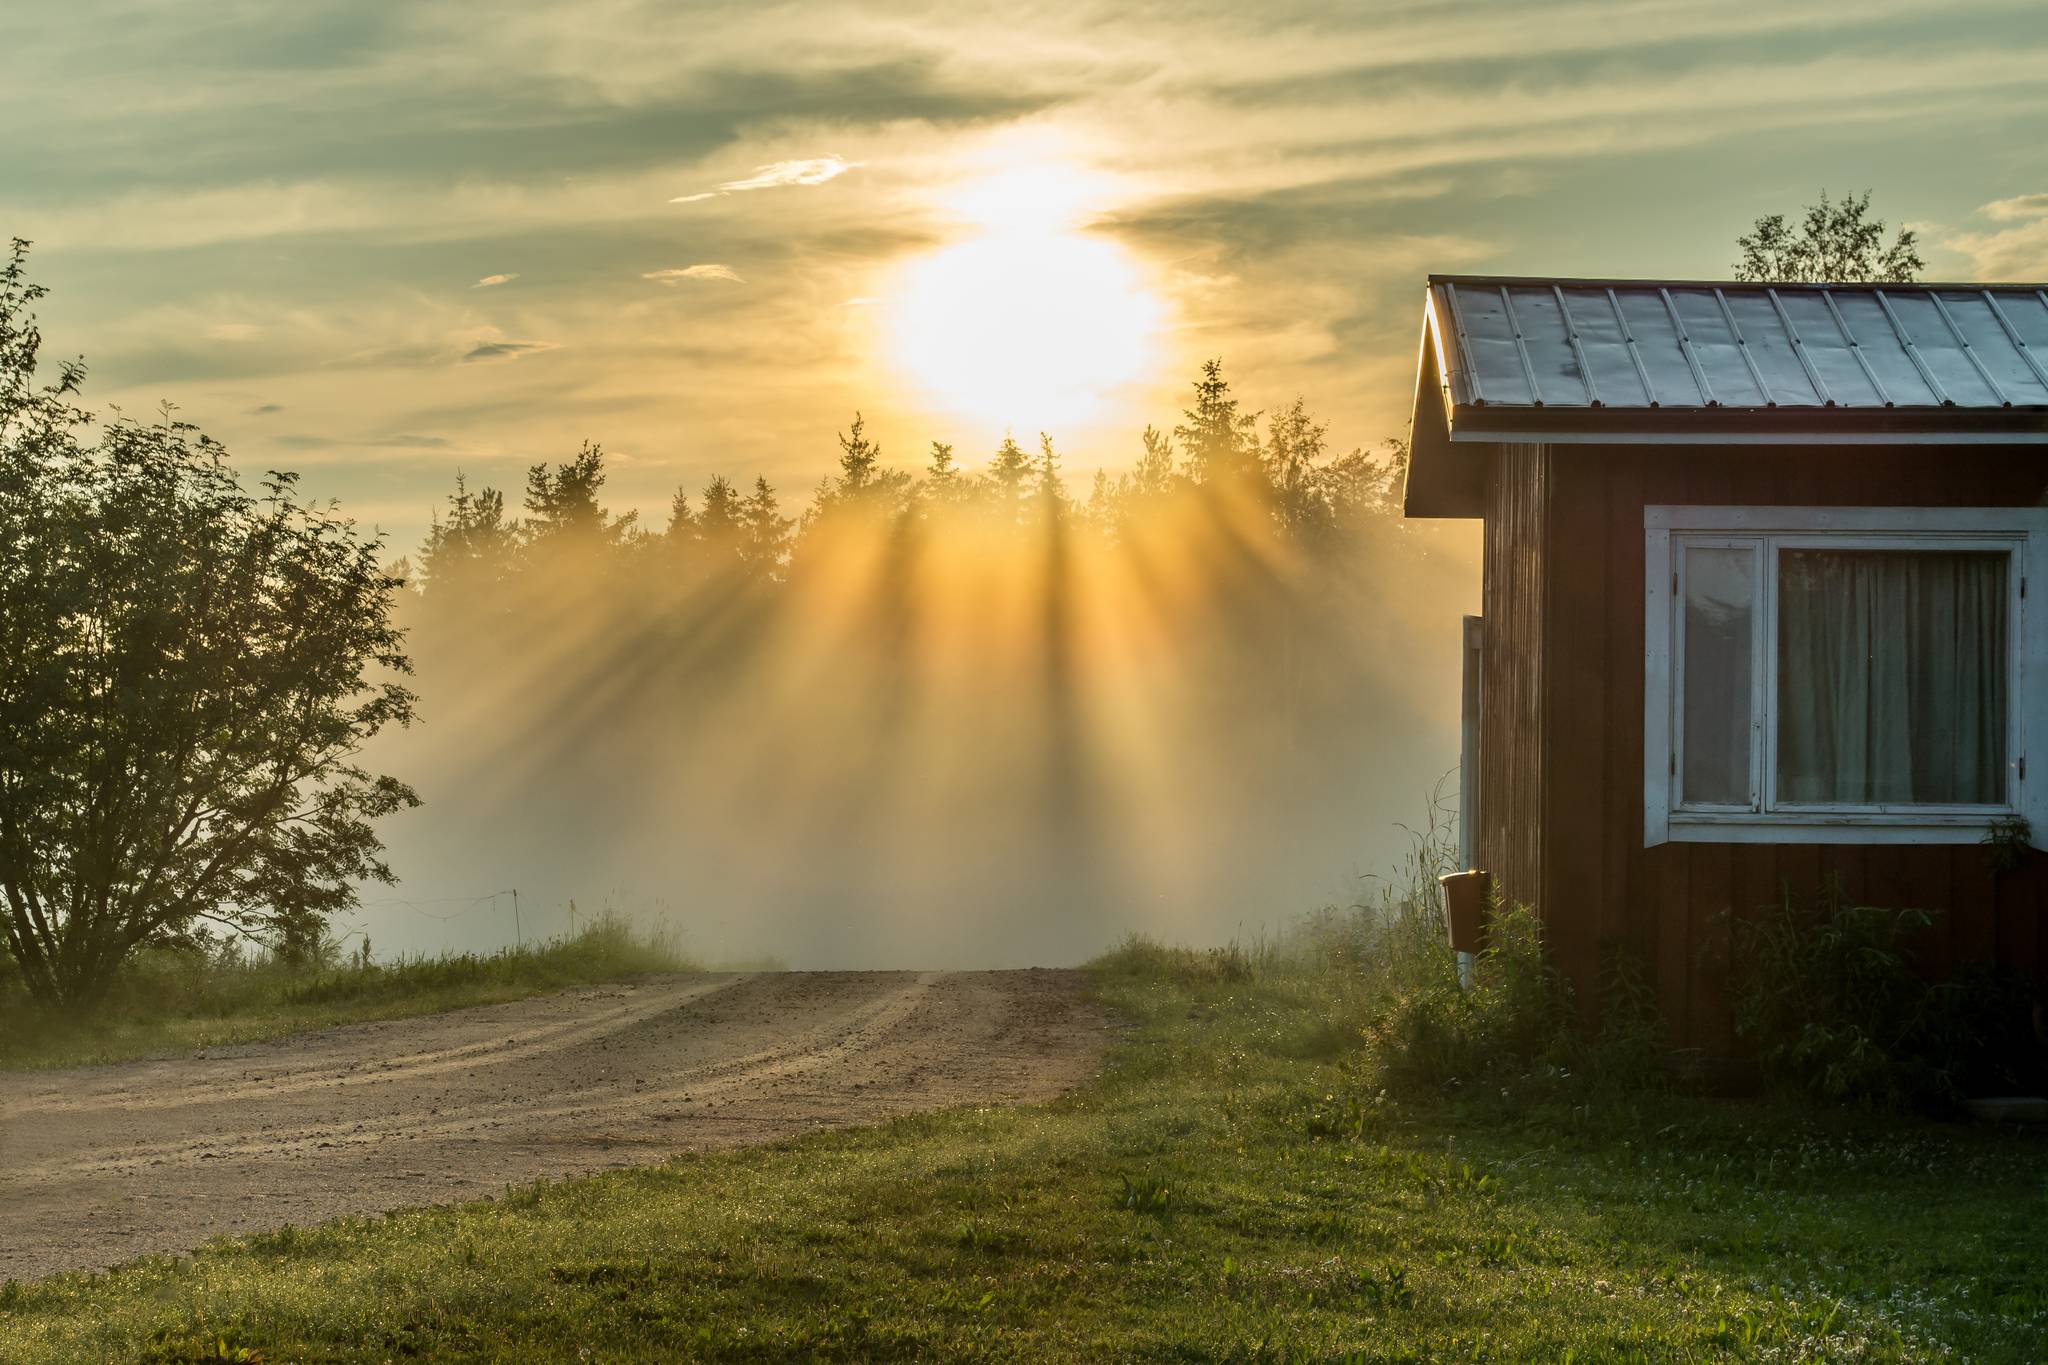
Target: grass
(1231, 1189)
(180, 1002)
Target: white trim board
(1823, 520)
(1808, 832)
(1703, 436)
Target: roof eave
(1443, 480)
(1751, 426)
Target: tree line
(1285, 472)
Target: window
(1840, 675)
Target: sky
(382, 243)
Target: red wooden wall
(1561, 746)
(1511, 716)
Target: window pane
(1892, 676)
(1720, 600)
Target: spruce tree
(1050, 491)
(1219, 442)
(721, 525)
(1007, 473)
(765, 532)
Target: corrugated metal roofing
(1553, 343)
(1669, 361)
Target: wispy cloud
(777, 174)
(2019, 206)
(711, 270)
(265, 410)
(398, 441)
(489, 281)
(504, 350)
(2017, 252)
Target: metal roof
(1571, 361)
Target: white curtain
(1892, 676)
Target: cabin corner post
(1472, 686)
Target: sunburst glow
(1032, 322)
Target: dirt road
(101, 1164)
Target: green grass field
(1226, 1192)
(179, 1002)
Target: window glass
(1720, 602)
(1891, 676)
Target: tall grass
(178, 999)
(1377, 984)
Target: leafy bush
(1514, 1017)
(1828, 995)
(1630, 1049)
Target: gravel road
(102, 1164)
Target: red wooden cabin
(1755, 610)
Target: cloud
(2019, 252)
(264, 410)
(775, 175)
(504, 350)
(2019, 206)
(399, 441)
(675, 275)
(490, 280)
(860, 301)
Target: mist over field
(951, 716)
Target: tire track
(98, 1165)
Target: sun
(1032, 321)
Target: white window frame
(1667, 530)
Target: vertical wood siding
(1563, 725)
(1512, 718)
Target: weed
(1146, 1194)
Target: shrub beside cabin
(1756, 609)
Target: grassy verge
(177, 1002)
(1231, 1190)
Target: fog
(959, 717)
